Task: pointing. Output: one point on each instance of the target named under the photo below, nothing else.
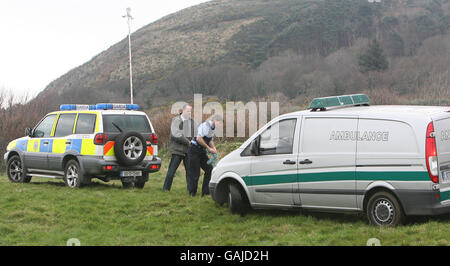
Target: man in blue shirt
(204, 141)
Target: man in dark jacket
(182, 129)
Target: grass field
(45, 212)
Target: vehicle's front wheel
(383, 209)
(236, 200)
(73, 176)
(16, 172)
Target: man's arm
(202, 143)
(176, 134)
(211, 144)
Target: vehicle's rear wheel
(139, 184)
(383, 209)
(16, 172)
(236, 200)
(127, 184)
(140, 181)
(73, 176)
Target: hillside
(226, 47)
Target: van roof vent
(323, 103)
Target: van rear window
(137, 123)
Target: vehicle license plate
(130, 173)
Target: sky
(42, 40)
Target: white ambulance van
(343, 155)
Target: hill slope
(210, 44)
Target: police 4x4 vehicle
(80, 142)
(343, 155)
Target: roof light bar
(336, 101)
(116, 106)
(99, 106)
(82, 107)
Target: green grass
(45, 212)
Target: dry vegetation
(16, 114)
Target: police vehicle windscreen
(137, 123)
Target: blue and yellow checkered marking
(75, 146)
(57, 145)
(43, 147)
(22, 145)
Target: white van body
(340, 157)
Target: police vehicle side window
(44, 129)
(64, 127)
(85, 124)
(278, 138)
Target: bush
(16, 114)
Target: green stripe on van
(270, 179)
(445, 195)
(394, 176)
(335, 176)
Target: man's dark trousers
(197, 159)
(173, 166)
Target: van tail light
(431, 154)
(154, 138)
(100, 138)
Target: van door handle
(289, 162)
(306, 161)
(68, 142)
(46, 142)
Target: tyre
(15, 170)
(140, 181)
(383, 209)
(73, 175)
(236, 200)
(127, 184)
(139, 184)
(130, 148)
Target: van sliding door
(326, 174)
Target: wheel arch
(12, 153)
(19, 153)
(221, 193)
(377, 187)
(67, 158)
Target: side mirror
(255, 147)
(28, 132)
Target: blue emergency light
(81, 107)
(99, 106)
(116, 106)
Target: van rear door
(442, 135)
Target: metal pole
(129, 18)
(129, 52)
